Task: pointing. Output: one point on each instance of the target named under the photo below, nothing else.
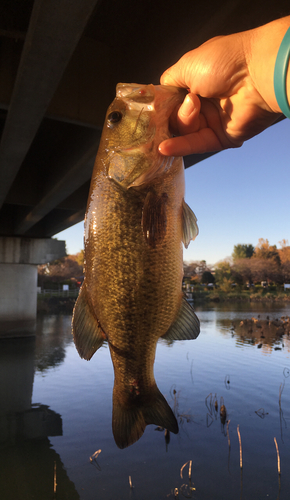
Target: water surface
(56, 411)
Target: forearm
(261, 48)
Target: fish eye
(115, 116)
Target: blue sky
(238, 196)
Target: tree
(243, 251)
(223, 272)
(266, 270)
(59, 270)
(285, 271)
(189, 270)
(225, 285)
(207, 277)
(284, 251)
(266, 251)
(194, 270)
(242, 271)
(79, 257)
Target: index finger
(202, 141)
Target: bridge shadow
(29, 467)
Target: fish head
(136, 122)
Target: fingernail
(187, 106)
(162, 147)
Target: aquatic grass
(186, 490)
(223, 411)
(278, 467)
(93, 459)
(278, 456)
(281, 415)
(261, 413)
(212, 406)
(228, 435)
(229, 443)
(54, 480)
(240, 443)
(181, 416)
(189, 469)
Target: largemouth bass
(135, 224)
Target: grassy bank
(55, 305)
(65, 305)
(200, 296)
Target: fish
(136, 221)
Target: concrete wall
(19, 258)
(30, 250)
(18, 292)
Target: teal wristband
(280, 74)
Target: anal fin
(88, 336)
(186, 325)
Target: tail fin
(130, 419)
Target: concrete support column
(19, 258)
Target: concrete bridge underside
(60, 61)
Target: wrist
(280, 74)
(263, 47)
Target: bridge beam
(54, 31)
(19, 258)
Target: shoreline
(65, 305)
(243, 296)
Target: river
(56, 412)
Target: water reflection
(53, 336)
(223, 368)
(29, 467)
(267, 333)
(33, 470)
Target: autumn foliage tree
(69, 268)
(268, 263)
(251, 264)
(193, 271)
(266, 251)
(284, 254)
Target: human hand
(229, 100)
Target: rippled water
(56, 411)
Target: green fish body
(135, 224)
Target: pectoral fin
(189, 225)
(154, 218)
(88, 336)
(186, 326)
(162, 165)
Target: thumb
(184, 73)
(174, 76)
